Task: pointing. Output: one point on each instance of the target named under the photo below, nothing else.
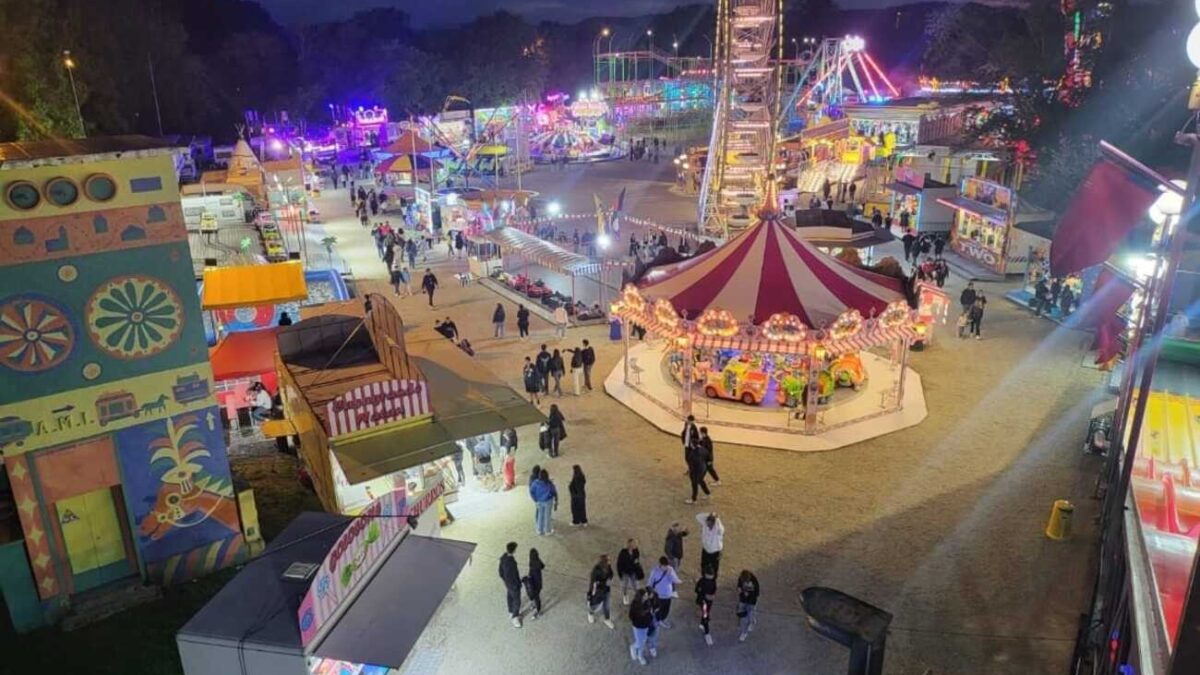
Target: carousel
(768, 341)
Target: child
(962, 325)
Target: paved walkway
(940, 524)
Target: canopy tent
(409, 143)
(770, 269)
(542, 252)
(249, 353)
(252, 285)
(404, 164)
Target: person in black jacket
(522, 321)
(748, 590)
(696, 469)
(557, 369)
(533, 582)
(532, 380)
(589, 360)
(967, 298)
(556, 426)
(706, 588)
(498, 321)
(597, 595)
(641, 617)
(578, 490)
(629, 569)
(706, 452)
(511, 577)
(673, 546)
(576, 370)
(542, 361)
(429, 284)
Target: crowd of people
(547, 365)
(1053, 293)
(648, 593)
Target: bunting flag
(1108, 204)
(614, 224)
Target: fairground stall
(544, 276)
(985, 231)
(376, 409)
(917, 195)
(770, 342)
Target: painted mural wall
(104, 377)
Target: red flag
(1109, 294)
(1108, 343)
(1107, 205)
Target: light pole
(604, 33)
(70, 65)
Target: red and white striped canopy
(769, 269)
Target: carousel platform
(852, 416)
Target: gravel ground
(940, 524)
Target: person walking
(706, 453)
(542, 361)
(511, 576)
(557, 370)
(748, 589)
(560, 321)
(1041, 297)
(576, 370)
(498, 321)
(533, 582)
(967, 298)
(556, 427)
(712, 541)
(1066, 299)
(429, 284)
(908, 239)
(396, 275)
(706, 588)
(673, 546)
(662, 582)
(641, 617)
(975, 317)
(509, 468)
(522, 321)
(589, 360)
(545, 498)
(696, 468)
(598, 591)
(578, 489)
(533, 381)
(629, 569)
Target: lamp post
(70, 65)
(604, 33)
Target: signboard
(976, 251)
(376, 404)
(909, 176)
(988, 193)
(362, 546)
(364, 542)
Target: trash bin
(1059, 527)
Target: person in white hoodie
(712, 541)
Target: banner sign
(376, 404)
(362, 546)
(988, 193)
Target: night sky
(441, 12)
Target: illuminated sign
(987, 193)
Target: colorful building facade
(110, 434)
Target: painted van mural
(177, 485)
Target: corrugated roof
(30, 151)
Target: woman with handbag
(597, 595)
(533, 582)
(556, 425)
(629, 569)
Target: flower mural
(35, 333)
(134, 316)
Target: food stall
(986, 215)
(917, 195)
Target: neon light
(854, 76)
(867, 72)
(879, 71)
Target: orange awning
(249, 353)
(252, 285)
